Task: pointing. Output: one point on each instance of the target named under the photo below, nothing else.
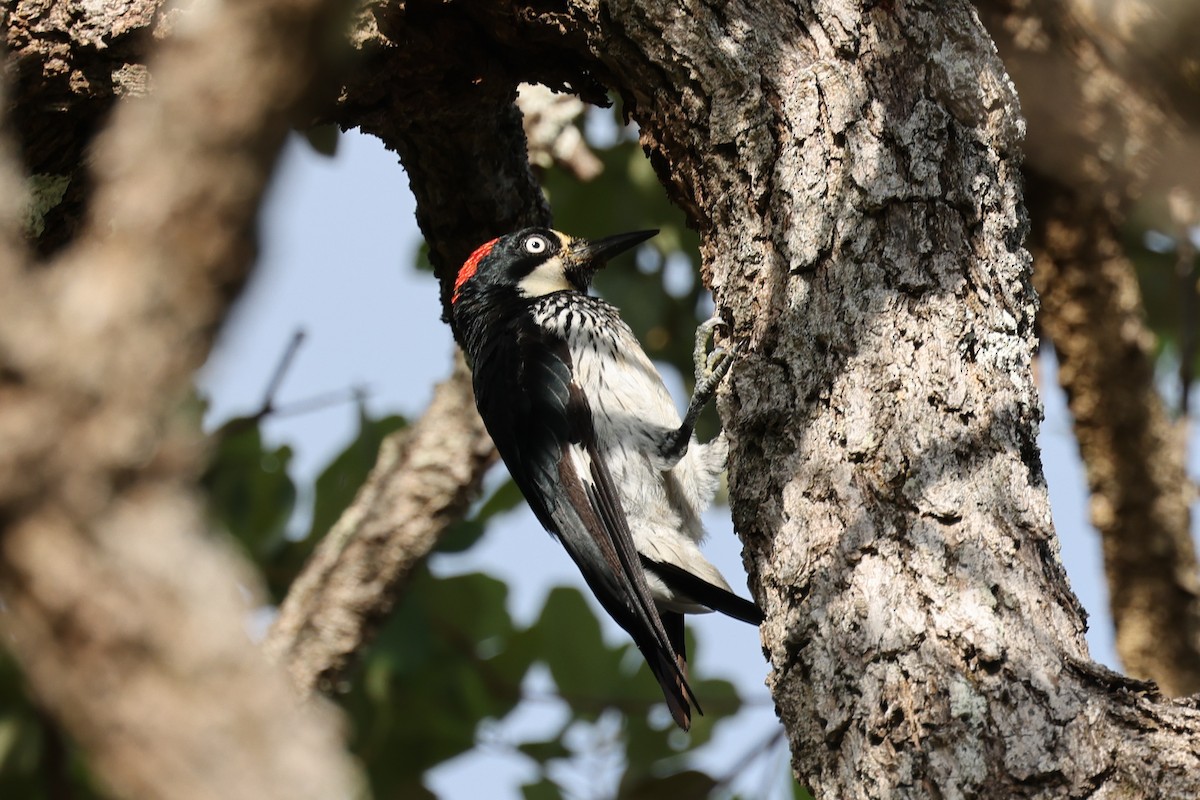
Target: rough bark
(1106, 96)
(67, 63)
(424, 480)
(127, 620)
(900, 532)
(853, 175)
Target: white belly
(631, 410)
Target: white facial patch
(547, 277)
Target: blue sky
(338, 244)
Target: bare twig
(317, 402)
(757, 750)
(281, 370)
(271, 408)
(127, 619)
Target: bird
(593, 439)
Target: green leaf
(648, 748)
(587, 672)
(37, 760)
(439, 667)
(465, 533)
(421, 259)
(687, 785)
(545, 789)
(800, 792)
(249, 491)
(414, 790)
(323, 138)
(460, 536)
(1162, 288)
(340, 481)
(252, 496)
(506, 497)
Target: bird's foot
(704, 361)
(711, 367)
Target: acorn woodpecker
(593, 440)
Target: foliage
(1170, 287)
(1172, 310)
(252, 496)
(451, 660)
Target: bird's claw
(711, 369)
(708, 364)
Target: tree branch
(551, 128)
(425, 479)
(1091, 309)
(1085, 168)
(68, 65)
(128, 621)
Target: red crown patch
(467, 270)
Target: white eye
(536, 245)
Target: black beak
(584, 257)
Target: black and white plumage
(593, 439)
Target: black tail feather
(676, 634)
(670, 670)
(674, 687)
(703, 592)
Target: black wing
(541, 423)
